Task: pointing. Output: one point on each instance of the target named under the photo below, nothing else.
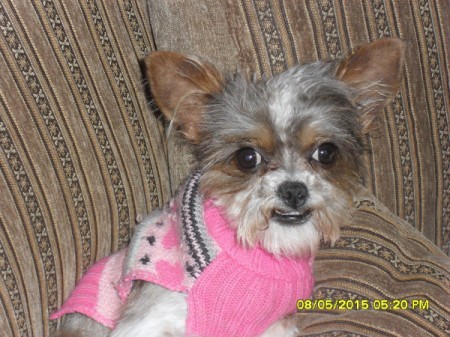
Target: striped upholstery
(380, 258)
(81, 155)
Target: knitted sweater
(191, 247)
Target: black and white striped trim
(199, 245)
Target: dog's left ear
(181, 87)
(375, 70)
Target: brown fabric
(80, 153)
(380, 257)
(408, 159)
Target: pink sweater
(240, 292)
(243, 291)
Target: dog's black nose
(293, 193)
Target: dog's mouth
(291, 218)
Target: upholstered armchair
(83, 151)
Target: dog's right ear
(181, 87)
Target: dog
(280, 161)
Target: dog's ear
(375, 70)
(181, 87)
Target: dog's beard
(251, 211)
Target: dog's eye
(326, 153)
(248, 158)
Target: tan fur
(180, 87)
(376, 70)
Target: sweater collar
(205, 226)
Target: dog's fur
(282, 156)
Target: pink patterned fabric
(155, 255)
(240, 293)
(94, 295)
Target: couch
(84, 152)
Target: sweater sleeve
(95, 295)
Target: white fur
(283, 328)
(157, 312)
(153, 312)
(248, 210)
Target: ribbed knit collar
(254, 258)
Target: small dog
(279, 165)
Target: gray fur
(310, 93)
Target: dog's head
(282, 155)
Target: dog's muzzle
(294, 195)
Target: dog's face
(282, 156)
